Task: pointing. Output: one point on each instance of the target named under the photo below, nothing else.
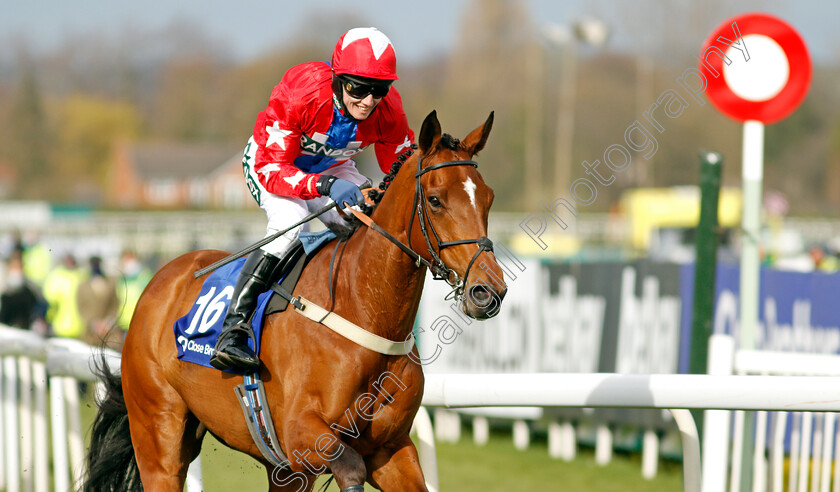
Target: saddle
(196, 332)
(290, 267)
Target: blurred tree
(87, 129)
(185, 105)
(485, 73)
(57, 110)
(30, 134)
(832, 172)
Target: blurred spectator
(98, 304)
(135, 278)
(60, 290)
(21, 303)
(37, 258)
(823, 261)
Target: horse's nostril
(480, 295)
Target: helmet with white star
(365, 52)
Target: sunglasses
(360, 90)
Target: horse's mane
(449, 142)
(446, 141)
(376, 195)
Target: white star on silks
(268, 169)
(378, 41)
(276, 135)
(404, 145)
(294, 180)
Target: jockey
(300, 155)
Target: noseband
(439, 269)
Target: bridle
(439, 269)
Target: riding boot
(232, 348)
(354, 488)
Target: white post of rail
(778, 452)
(836, 486)
(569, 440)
(2, 426)
(603, 445)
(75, 439)
(716, 422)
(58, 427)
(759, 482)
(650, 454)
(521, 435)
(39, 428)
(11, 432)
(26, 447)
(805, 452)
(561, 440)
(828, 445)
(692, 466)
(426, 439)
(481, 430)
(194, 479)
(555, 443)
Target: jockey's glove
(339, 190)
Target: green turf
(498, 466)
(465, 467)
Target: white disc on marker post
(764, 75)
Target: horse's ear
(429, 133)
(477, 138)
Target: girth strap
(351, 331)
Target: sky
(417, 29)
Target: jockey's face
(360, 108)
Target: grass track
(465, 467)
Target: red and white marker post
(758, 71)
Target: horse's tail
(111, 464)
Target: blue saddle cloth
(197, 331)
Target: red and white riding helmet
(365, 52)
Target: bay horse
(151, 424)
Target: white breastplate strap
(353, 332)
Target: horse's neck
(393, 281)
(390, 276)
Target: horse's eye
(435, 202)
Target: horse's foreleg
(396, 467)
(313, 447)
(289, 481)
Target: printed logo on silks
(196, 333)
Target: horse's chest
(382, 413)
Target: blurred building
(176, 176)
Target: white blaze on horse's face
(470, 187)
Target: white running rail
(29, 360)
(675, 392)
